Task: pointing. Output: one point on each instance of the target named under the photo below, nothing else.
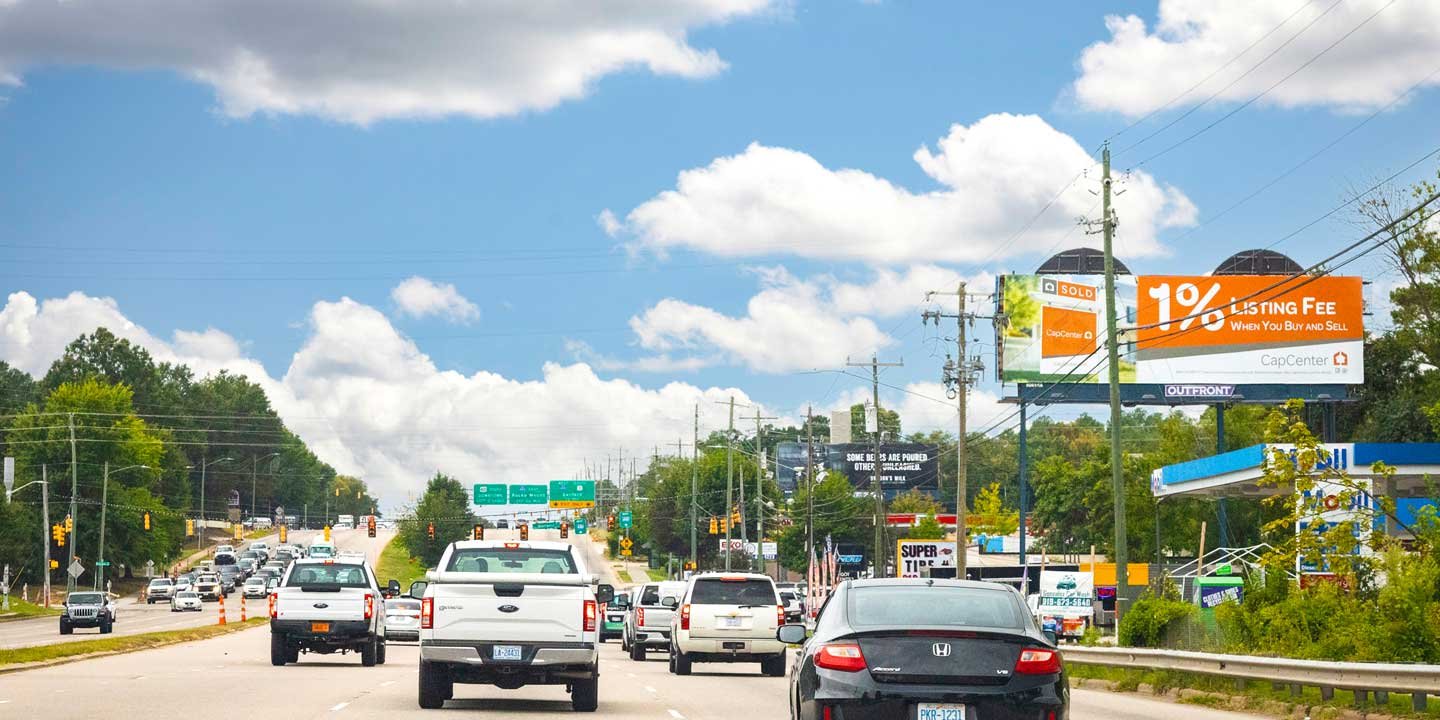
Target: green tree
(993, 517)
(838, 514)
(927, 529)
(446, 505)
(915, 501)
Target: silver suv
(160, 590)
(88, 609)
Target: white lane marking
(675, 714)
(138, 677)
(629, 674)
(338, 707)
(649, 689)
(2, 702)
(387, 683)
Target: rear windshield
(511, 560)
(342, 575)
(184, 594)
(733, 592)
(162, 581)
(320, 551)
(933, 606)
(402, 604)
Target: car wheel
(293, 655)
(106, 627)
(380, 653)
(624, 642)
(586, 695)
(637, 652)
(682, 663)
(773, 666)
(174, 609)
(65, 629)
(433, 682)
(368, 652)
(278, 652)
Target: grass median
(396, 564)
(20, 610)
(120, 644)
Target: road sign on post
(582, 526)
(491, 494)
(9, 476)
(545, 525)
(528, 495)
(76, 569)
(625, 545)
(572, 494)
(626, 519)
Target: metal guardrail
(1415, 680)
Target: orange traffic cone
(222, 608)
(242, 608)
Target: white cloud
(924, 407)
(1139, 69)
(369, 402)
(420, 297)
(365, 61)
(996, 175)
(891, 293)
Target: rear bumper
(855, 696)
(708, 649)
(539, 664)
(658, 638)
(343, 634)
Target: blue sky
(131, 176)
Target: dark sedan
(926, 650)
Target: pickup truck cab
(327, 606)
(511, 614)
(728, 617)
(647, 620)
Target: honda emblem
(940, 649)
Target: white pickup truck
(328, 606)
(511, 614)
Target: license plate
(728, 622)
(733, 645)
(937, 711)
(319, 627)
(505, 652)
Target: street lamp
(200, 531)
(102, 563)
(254, 463)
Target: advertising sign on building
(1329, 504)
(914, 556)
(1067, 593)
(1197, 335)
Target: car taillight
(1038, 661)
(845, 657)
(369, 606)
(685, 617)
(272, 606)
(640, 617)
(427, 613)
(779, 615)
(589, 616)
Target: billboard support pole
(875, 487)
(1117, 472)
(694, 473)
(1024, 477)
(1222, 518)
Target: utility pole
(759, 489)
(729, 479)
(809, 485)
(694, 476)
(74, 509)
(875, 487)
(45, 528)
(1117, 472)
(104, 497)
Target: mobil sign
(914, 556)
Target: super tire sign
(914, 556)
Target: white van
(321, 549)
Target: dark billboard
(903, 466)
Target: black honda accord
(903, 649)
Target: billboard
(1067, 593)
(912, 557)
(1190, 333)
(903, 466)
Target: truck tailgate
(515, 612)
(657, 618)
(297, 604)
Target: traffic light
(327, 533)
(714, 525)
(54, 564)
(284, 534)
(724, 525)
(145, 519)
(190, 529)
(524, 532)
(430, 530)
(479, 532)
(370, 526)
(735, 516)
(610, 522)
(337, 491)
(564, 530)
(69, 524)
(57, 532)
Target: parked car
(188, 600)
(928, 649)
(160, 589)
(728, 617)
(327, 606)
(89, 609)
(647, 619)
(544, 630)
(402, 619)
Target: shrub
(1152, 620)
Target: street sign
(572, 494)
(102, 563)
(581, 526)
(528, 495)
(626, 543)
(9, 475)
(149, 568)
(545, 525)
(76, 569)
(489, 494)
(625, 552)
(626, 519)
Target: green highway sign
(545, 525)
(581, 527)
(528, 495)
(492, 494)
(626, 519)
(572, 494)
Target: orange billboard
(1247, 311)
(1066, 332)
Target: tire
(773, 666)
(174, 609)
(624, 642)
(65, 629)
(369, 651)
(380, 653)
(585, 697)
(434, 683)
(279, 654)
(637, 652)
(682, 663)
(106, 627)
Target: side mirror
(417, 589)
(392, 588)
(792, 634)
(604, 594)
(668, 602)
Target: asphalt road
(337, 687)
(136, 617)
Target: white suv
(728, 617)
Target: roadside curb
(1235, 703)
(39, 664)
